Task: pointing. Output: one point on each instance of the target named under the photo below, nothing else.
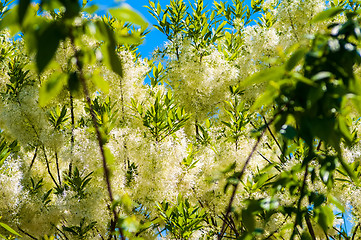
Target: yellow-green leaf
(9, 229)
(329, 13)
(127, 14)
(52, 87)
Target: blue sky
(154, 38)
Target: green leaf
(110, 57)
(265, 99)
(306, 236)
(274, 74)
(295, 59)
(329, 13)
(248, 220)
(10, 20)
(99, 81)
(127, 14)
(9, 229)
(344, 129)
(23, 6)
(288, 131)
(325, 217)
(51, 88)
(108, 156)
(73, 83)
(91, 9)
(47, 43)
(337, 203)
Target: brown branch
(309, 226)
(300, 202)
(100, 143)
(34, 157)
(27, 234)
(229, 208)
(273, 136)
(354, 233)
(57, 167)
(72, 139)
(48, 168)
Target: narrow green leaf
(329, 13)
(295, 59)
(23, 7)
(99, 81)
(73, 83)
(263, 76)
(127, 14)
(325, 217)
(248, 220)
(9, 229)
(337, 203)
(91, 9)
(47, 44)
(110, 57)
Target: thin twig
(159, 232)
(229, 208)
(34, 157)
(309, 226)
(72, 139)
(27, 234)
(48, 168)
(57, 167)
(273, 136)
(300, 201)
(354, 233)
(264, 157)
(100, 143)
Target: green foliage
(328, 66)
(158, 75)
(77, 183)
(238, 114)
(82, 231)
(190, 162)
(182, 219)
(9, 229)
(132, 172)
(18, 77)
(163, 117)
(203, 132)
(35, 186)
(6, 149)
(58, 118)
(105, 113)
(304, 119)
(4, 7)
(170, 19)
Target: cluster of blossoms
(53, 182)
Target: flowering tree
(248, 128)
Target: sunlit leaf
(295, 59)
(9, 229)
(272, 74)
(51, 88)
(127, 14)
(327, 14)
(47, 43)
